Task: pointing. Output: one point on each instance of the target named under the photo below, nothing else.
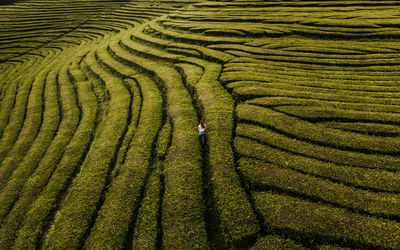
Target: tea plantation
(100, 102)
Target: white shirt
(201, 130)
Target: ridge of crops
(100, 102)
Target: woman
(202, 131)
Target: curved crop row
(177, 168)
(266, 175)
(26, 116)
(35, 220)
(216, 108)
(305, 220)
(360, 177)
(314, 133)
(36, 181)
(229, 194)
(278, 18)
(276, 242)
(376, 75)
(308, 149)
(177, 165)
(12, 154)
(373, 73)
(7, 104)
(147, 232)
(248, 93)
(136, 107)
(52, 20)
(318, 113)
(75, 216)
(300, 98)
(147, 229)
(273, 102)
(260, 83)
(114, 217)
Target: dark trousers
(202, 138)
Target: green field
(100, 102)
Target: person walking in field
(202, 132)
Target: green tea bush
(147, 228)
(114, 217)
(136, 106)
(17, 116)
(75, 216)
(12, 154)
(319, 113)
(237, 218)
(33, 186)
(305, 219)
(386, 110)
(316, 151)
(377, 129)
(36, 219)
(275, 242)
(249, 92)
(301, 101)
(271, 176)
(218, 106)
(49, 126)
(7, 103)
(374, 179)
(182, 167)
(315, 133)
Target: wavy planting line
(363, 178)
(34, 224)
(94, 170)
(16, 177)
(263, 176)
(34, 185)
(12, 154)
(214, 107)
(177, 107)
(326, 223)
(134, 170)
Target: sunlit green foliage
(100, 103)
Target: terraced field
(100, 102)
